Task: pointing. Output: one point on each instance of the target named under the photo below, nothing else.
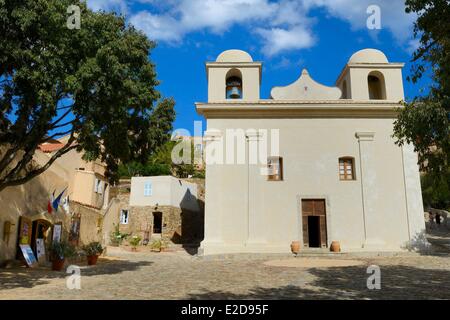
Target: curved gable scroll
(305, 88)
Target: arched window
(234, 84)
(347, 168)
(377, 89)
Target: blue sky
(286, 36)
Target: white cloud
(393, 15)
(158, 27)
(280, 26)
(277, 40)
(413, 45)
(119, 6)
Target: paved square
(178, 275)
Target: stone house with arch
(327, 167)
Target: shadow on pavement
(23, 277)
(397, 282)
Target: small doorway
(314, 223)
(157, 222)
(314, 231)
(40, 230)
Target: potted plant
(92, 251)
(335, 246)
(295, 247)
(117, 237)
(135, 240)
(157, 245)
(60, 251)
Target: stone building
(160, 207)
(312, 163)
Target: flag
(66, 204)
(57, 200)
(49, 207)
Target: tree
(160, 163)
(94, 84)
(436, 190)
(425, 122)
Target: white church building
(327, 167)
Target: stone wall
(178, 226)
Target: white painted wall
(166, 191)
(246, 213)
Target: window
(275, 168)
(96, 185)
(147, 189)
(234, 84)
(100, 187)
(346, 168)
(376, 85)
(124, 216)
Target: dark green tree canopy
(95, 84)
(425, 122)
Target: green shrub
(116, 237)
(93, 249)
(135, 240)
(158, 244)
(62, 250)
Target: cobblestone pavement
(178, 275)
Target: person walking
(438, 219)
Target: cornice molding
(291, 109)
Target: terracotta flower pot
(58, 264)
(92, 260)
(295, 247)
(335, 246)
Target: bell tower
(234, 76)
(369, 75)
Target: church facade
(312, 163)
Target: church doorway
(314, 223)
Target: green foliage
(135, 168)
(158, 244)
(436, 190)
(96, 85)
(62, 250)
(160, 163)
(425, 122)
(135, 241)
(199, 174)
(116, 237)
(93, 249)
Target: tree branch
(52, 125)
(4, 183)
